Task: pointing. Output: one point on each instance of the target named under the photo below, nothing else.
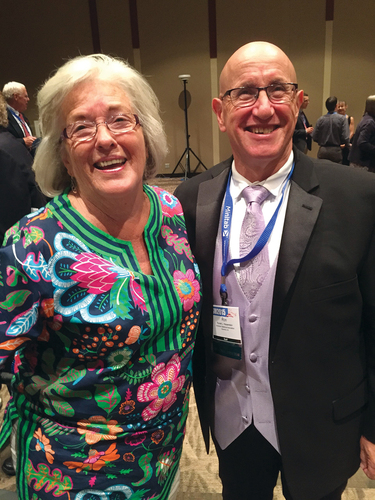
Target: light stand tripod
(188, 149)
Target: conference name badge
(227, 339)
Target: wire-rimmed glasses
(85, 130)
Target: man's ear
(299, 100)
(217, 106)
(300, 95)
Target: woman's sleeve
(24, 288)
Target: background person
(15, 94)
(363, 149)
(303, 130)
(102, 296)
(331, 132)
(341, 109)
(18, 191)
(294, 390)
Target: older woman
(100, 297)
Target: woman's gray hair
(3, 112)
(50, 172)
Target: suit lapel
(210, 197)
(300, 219)
(13, 126)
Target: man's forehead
(257, 61)
(257, 73)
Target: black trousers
(333, 153)
(249, 475)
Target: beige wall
(37, 37)
(353, 62)
(174, 40)
(176, 35)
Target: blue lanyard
(18, 118)
(225, 232)
(15, 115)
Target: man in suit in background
(17, 100)
(302, 132)
(284, 363)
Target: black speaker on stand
(188, 151)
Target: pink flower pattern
(95, 273)
(170, 206)
(187, 287)
(162, 390)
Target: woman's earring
(73, 185)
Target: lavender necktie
(253, 272)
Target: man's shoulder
(337, 176)
(339, 118)
(367, 120)
(10, 114)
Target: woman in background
(341, 110)
(100, 298)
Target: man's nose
(263, 107)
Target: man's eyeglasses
(278, 93)
(86, 130)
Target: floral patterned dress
(102, 353)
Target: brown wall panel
(174, 39)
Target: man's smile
(262, 130)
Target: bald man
(284, 366)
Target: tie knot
(255, 194)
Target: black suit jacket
(300, 139)
(14, 128)
(322, 339)
(18, 190)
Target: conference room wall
(174, 39)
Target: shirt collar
(14, 111)
(273, 183)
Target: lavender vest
(243, 393)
